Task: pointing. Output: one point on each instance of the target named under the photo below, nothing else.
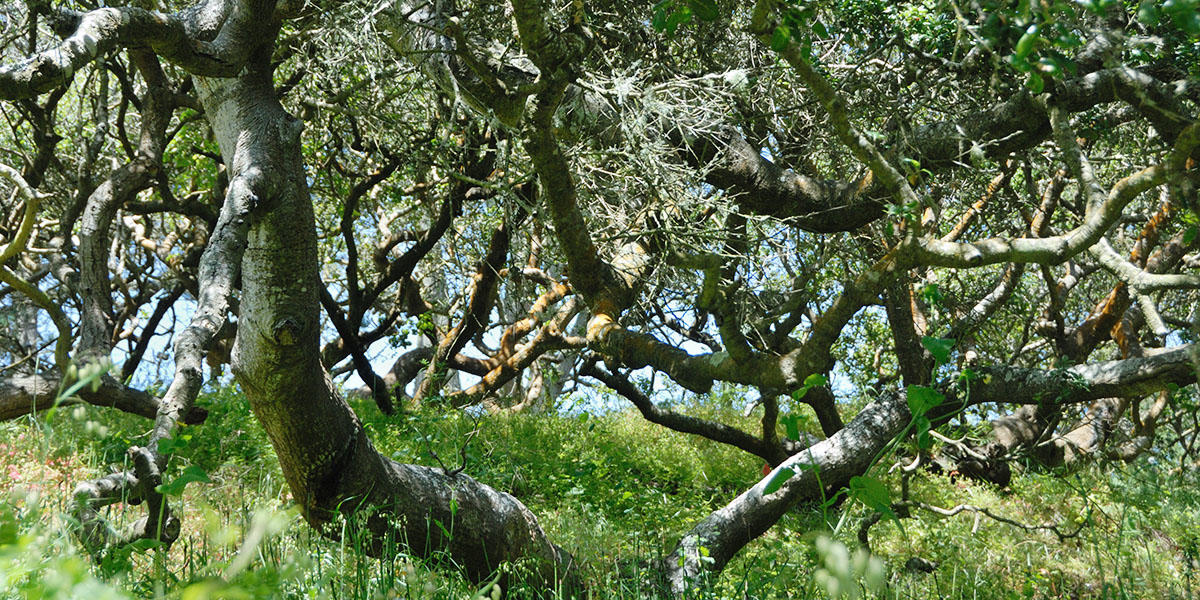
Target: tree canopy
(870, 221)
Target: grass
(613, 489)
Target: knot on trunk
(286, 331)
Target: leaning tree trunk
(824, 468)
(330, 465)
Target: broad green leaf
(144, 544)
(190, 474)
(921, 399)
(1189, 22)
(871, 492)
(1035, 83)
(777, 480)
(780, 38)
(931, 293)
(938, 347)
(1147, 12)
(705, 10)
(661, 11)
(1189, 235)
(677, 18)
(922, 426)
(810, 382)
(791, 422)
(171, 445)
(819, 29)
(1025, 44)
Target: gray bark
(23, 394)
(326, 458)
(821, 469)
(829, 465)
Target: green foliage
(921, 399)
(873, 494)
(176, 485)
(612, 488)
(780, 477)
(35, 563)
(810, 382)
(799, 23)
(939, 347)
(670, 14)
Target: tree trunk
(826, 466)
(327, 460)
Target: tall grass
(613, 489)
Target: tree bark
(327, 460)
(24, 394)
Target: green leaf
(1189, 235)
(1147, 12)
(777, 480)
(144, 544)
(871, 492)
(921, 399)
(810, 382)
(191, 474)
(1035, 83)
(791, 423)
(819, 29)
(677, 18)
(924, 440)
(931, 293)
(1025, 44)
(938, 347)
(705, 10)
(1189, 22)
(780, 38)
(1049, 66)
(171, 445)
(661, 11)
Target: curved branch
(1056, 249)
(712, 430)
(177, 37)
(829, 465)
(62, 345)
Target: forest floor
(613, 489)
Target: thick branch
(177, 37)
(23, 394)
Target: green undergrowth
(613, 489)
